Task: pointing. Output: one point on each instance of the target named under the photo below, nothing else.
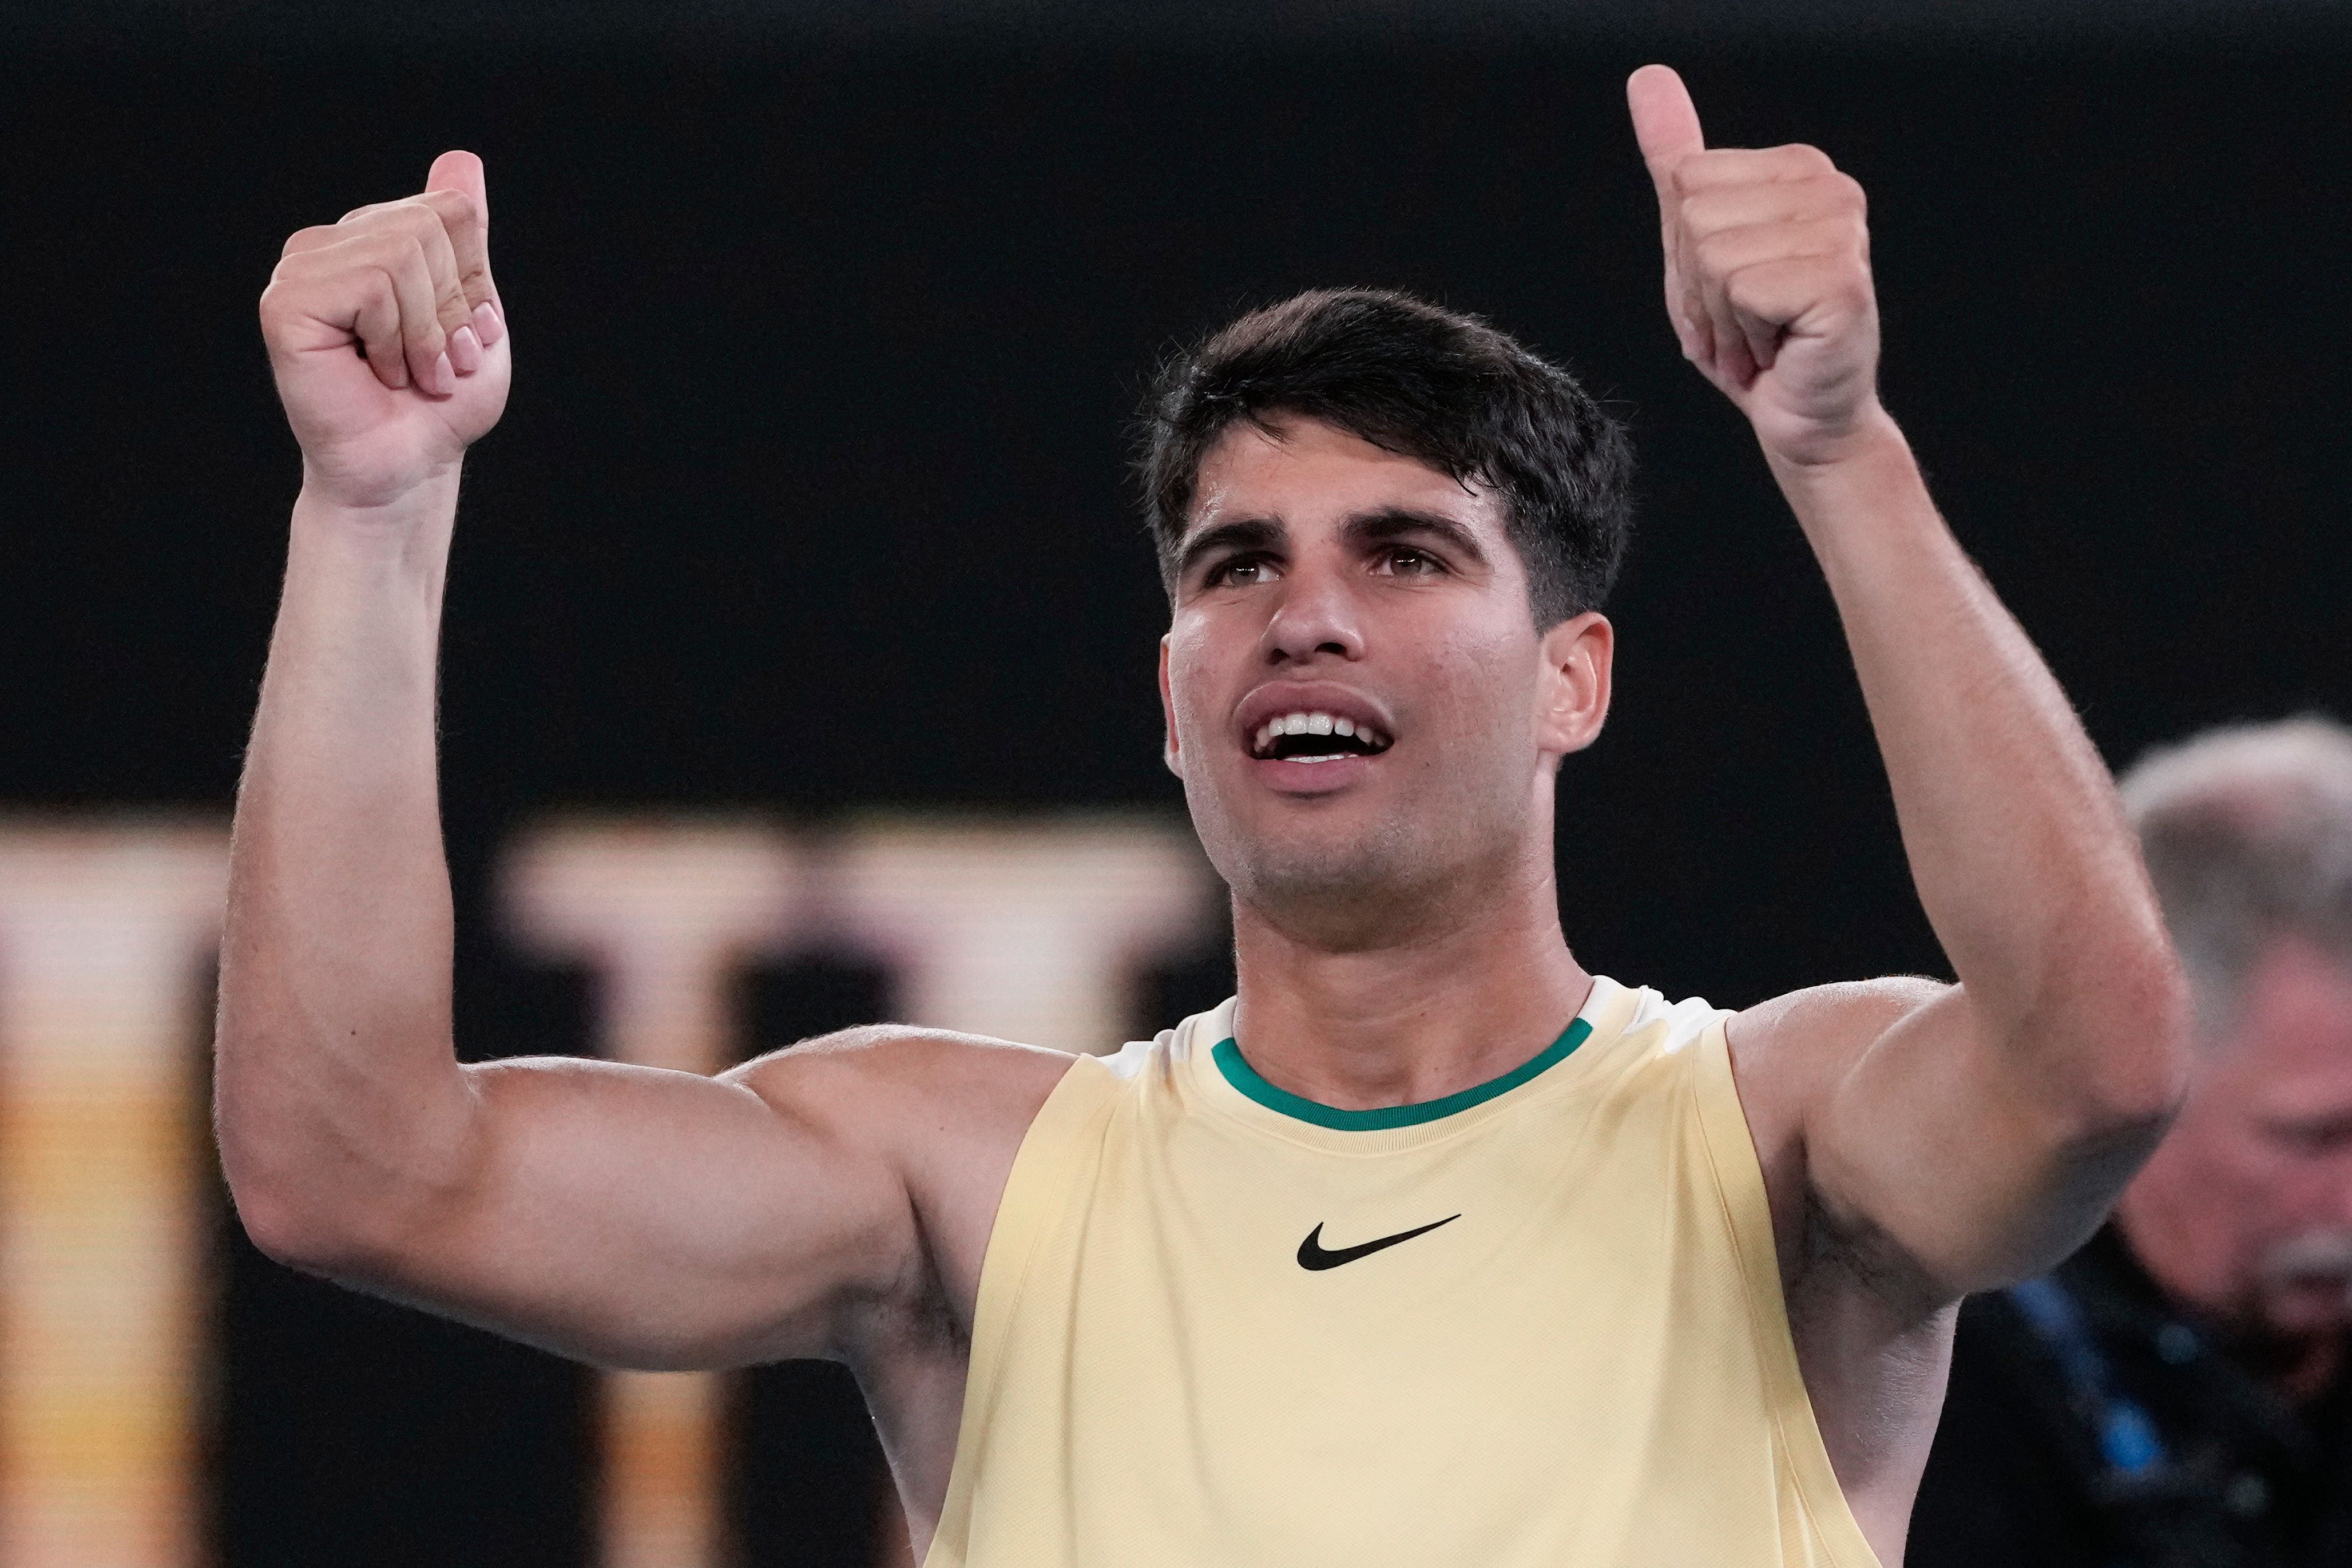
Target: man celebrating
(1429, 1246)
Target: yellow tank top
(1538, 1323)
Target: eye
(1407, 562)
(1240, 572)
(2318, 1138)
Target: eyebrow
(1364, 529)
(1240, 534)
(1392, 523)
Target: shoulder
(1795, 1044)
(1847, 1005)
(939, 1115)
(890, 1081)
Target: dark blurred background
(829, 328)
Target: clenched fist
(389, 340)
(1767, 274)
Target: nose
(1315, 618)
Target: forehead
(1308, 475)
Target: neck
(1421, 1015)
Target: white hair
(2247, 830)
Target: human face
(2252, 1218)
(1322, 577)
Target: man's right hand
(389, 339)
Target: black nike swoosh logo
(1311, 1254)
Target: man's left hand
(1767, 275)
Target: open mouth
(1310, 737)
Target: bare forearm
(2019, 852)
(337, 1079)
(1968, 1135)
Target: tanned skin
(1396, 922)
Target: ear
(1167, 716)
(1572, 692)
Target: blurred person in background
(2174, 1396)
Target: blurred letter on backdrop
(1031, 930)
(665, 915)
(1027, 931)
(105, 931)
(1034, 930)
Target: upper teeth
(1310, 724)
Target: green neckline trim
(1243, 1077)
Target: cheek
(2310, 1194)
(2254, 1175)
(1482, 687)
(1190, 680)
(2273, 1195)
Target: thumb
(1665, 121)
(461, 172)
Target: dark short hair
(1443, 388)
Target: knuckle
(377, 247)
(1716, 253)
(402, 226)
(377, 292)
(454, 208)
(377, 243)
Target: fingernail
(444, 379)
(464, 350)
(489, 325)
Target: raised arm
(623, 1214)
(1968, 1135)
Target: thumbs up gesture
(1768, 274)
(388, 339)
